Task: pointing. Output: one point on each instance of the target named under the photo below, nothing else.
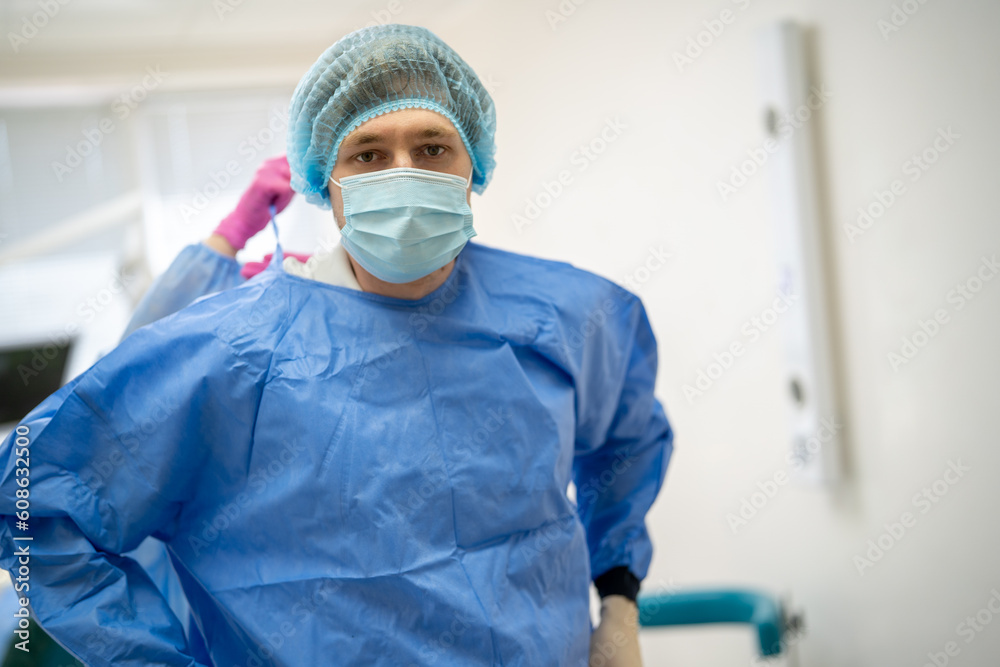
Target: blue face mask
(404, 223)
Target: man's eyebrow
(436, 131)
(362, 139)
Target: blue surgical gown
(347, 478)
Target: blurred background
(129, 128)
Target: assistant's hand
(271, 185)
(615, 642)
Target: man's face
(415, 138)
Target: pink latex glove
(250, 269)
(270, 186)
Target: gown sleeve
(196, 272)
(624, 440)
(110, 459)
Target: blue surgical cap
(373, 71)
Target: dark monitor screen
(28, 375)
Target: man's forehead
(381, 128)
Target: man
(362, 458)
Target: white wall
(655, 186)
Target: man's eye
(367, 156)
(435, 151)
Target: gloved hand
(615, 642)
(250, 269)
(270, 186)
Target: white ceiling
(91, 38)
(143, 25)
(90, 50)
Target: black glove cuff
(618, 581)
